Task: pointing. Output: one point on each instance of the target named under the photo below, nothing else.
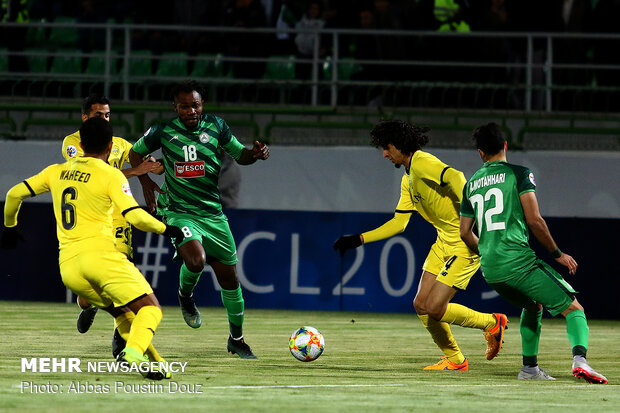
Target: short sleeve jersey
(192, 162)
(492, 198)
(84, 192)
(118, 157)
(424, 190)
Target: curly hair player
(432, 189)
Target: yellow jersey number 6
(67, 209)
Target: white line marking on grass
(302, 386)
(585, 385)
(580, 386)
(473, 385)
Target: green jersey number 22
(478, 200)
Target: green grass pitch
(372, 363)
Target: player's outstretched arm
(348, 242)
(249, 156)
(539, 228)
(394, 226)
(142, 220)
(14, 197)
(148, 165)
(149, 187)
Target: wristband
(557, 253)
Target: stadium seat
(96, 64)
(37, 60)
(140, 63)
(347, 67)
(208, 65)
(66, 61)
(172, 64)
(280, 68)
(63, 37)
(35, 36)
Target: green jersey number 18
(190, 153)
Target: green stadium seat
(280, 68)
(37, 60)
(172, 64)
(141, 63)
(35, 36)
(66, 61)
(347, 67)
(208, 65)
(63, 37)
(96, 64)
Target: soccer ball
(306, 343)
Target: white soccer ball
(306, 343)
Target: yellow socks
(442, 336)
(143, 327)
(147, 323)
(459, 315)
(123, 324)
(466, 317)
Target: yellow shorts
(453, 266)
(104, 278)
(122, 236)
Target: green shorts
(213, 233)
(542, 284)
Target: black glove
(174, 232)
(10, 237)
(347, 242)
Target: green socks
(188, 281)
(578, 332)
(576, 329)
(530, 327)
(233, 302)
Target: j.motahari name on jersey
(486, 181)
(74, 175)
(189, 169)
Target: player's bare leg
(439, 331)
(439, 307)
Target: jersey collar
(493, 163)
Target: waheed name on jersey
(486, 181)
(74, 175)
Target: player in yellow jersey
(434, 190)
(84, 192)
(97, 106)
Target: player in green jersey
(500, 199)
(192, 146)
